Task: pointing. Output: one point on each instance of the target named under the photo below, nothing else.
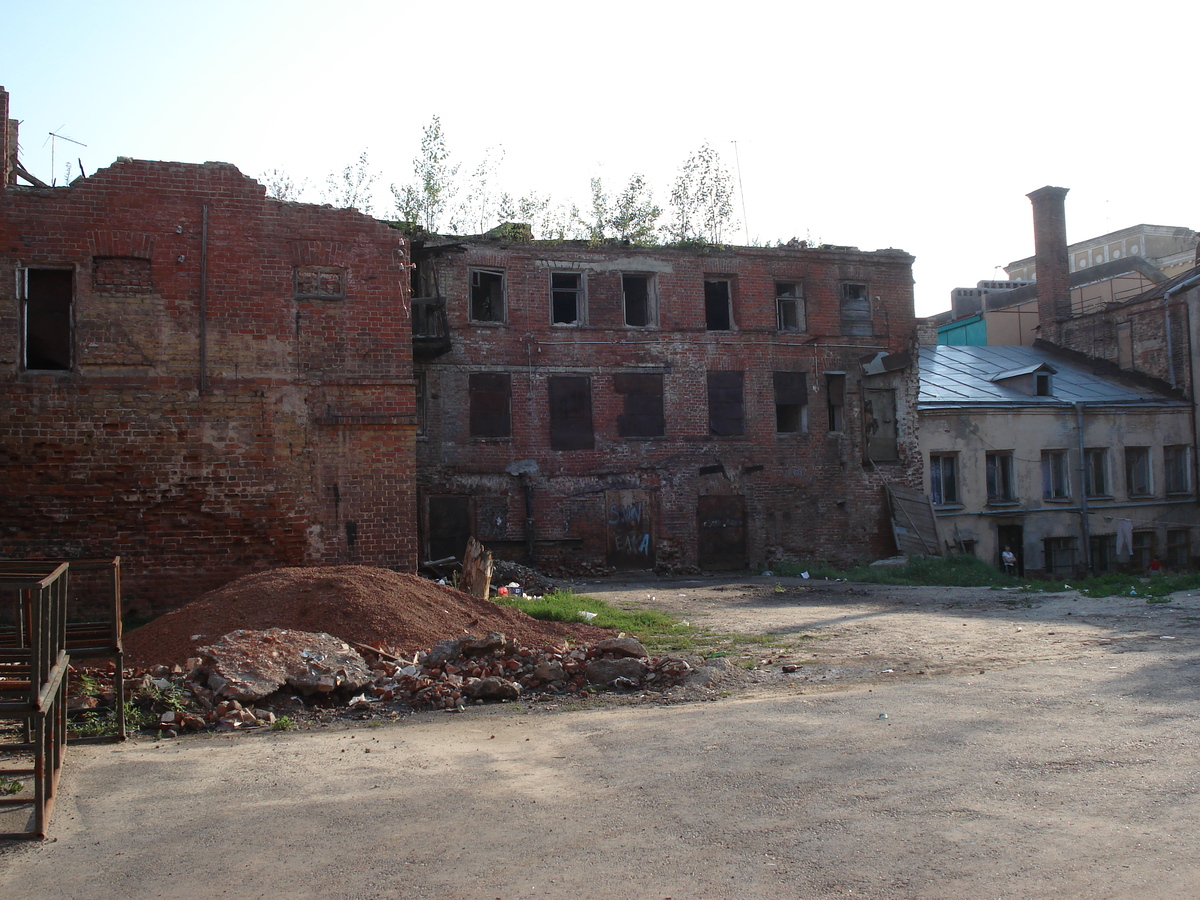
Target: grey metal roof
(962, 376)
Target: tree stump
(476, 570)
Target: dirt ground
(932, 743)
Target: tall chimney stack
(8, 135)
(1053, 273)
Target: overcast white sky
(920, 125)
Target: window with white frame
(1055, 484)
(943, 478)
(1175, 469)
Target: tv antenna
(54, 135)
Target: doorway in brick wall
(630, 529)
(449, 526)
(721, 532)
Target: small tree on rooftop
(701, 200)
(427, 200)
(353, 187)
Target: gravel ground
(933, 743)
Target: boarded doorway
(449, 526)
(630, 526)
(721, 535)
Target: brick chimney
(8, 141)
(1053, 273)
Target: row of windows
(1062, 555)
(642, 408)
(568, 302)
(1001, 481)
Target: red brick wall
(296, 446)
(807, 496)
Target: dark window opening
(1095, 472)
(943, 478)
(1179, 548)
(1001, 487)
(47, 306)
(717, 314)
(835, 398)
(1137, 471)
(856, 310)
(566, 298)
(1042, 384)
(1060, 555)
(643, 411)
(487, 296)
(789, 306)
(791, 402)
(726, 411)
(1143, 550)
(639, 310)
(491, 405)
(571, 413)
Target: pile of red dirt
(354, 603)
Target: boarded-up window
(879, 426)
(491, 405)
(46, 296)
(643, 413)
(717, 296)
(487, 296)
(1125, 345)
(856, 310)
(638, 294)
(791, 402)
(571, 413)
(726, 410)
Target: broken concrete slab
(249, 665)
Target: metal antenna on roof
(742, 191)
(54, 136)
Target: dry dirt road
(936, 743)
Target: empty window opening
(1042, 384)
(491, 405)
(566, 298)
(1055, 484)
(726, 410)
(717, 313)
(487, 296)
(835, 399)
(571, 413)
(943, 478)
(856, 310)
(639, 300)
(450, 526)
(643, 410)
(789, 306)
(46, 296)
(791, 402)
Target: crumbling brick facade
(202, 380)
(634, 407)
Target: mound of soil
(354, 603)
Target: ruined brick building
(200, 379)
(635, 407)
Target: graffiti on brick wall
(629, 522)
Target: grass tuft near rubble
(658, 632)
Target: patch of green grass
(658, 632)
(283, 723)
(10, 786)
